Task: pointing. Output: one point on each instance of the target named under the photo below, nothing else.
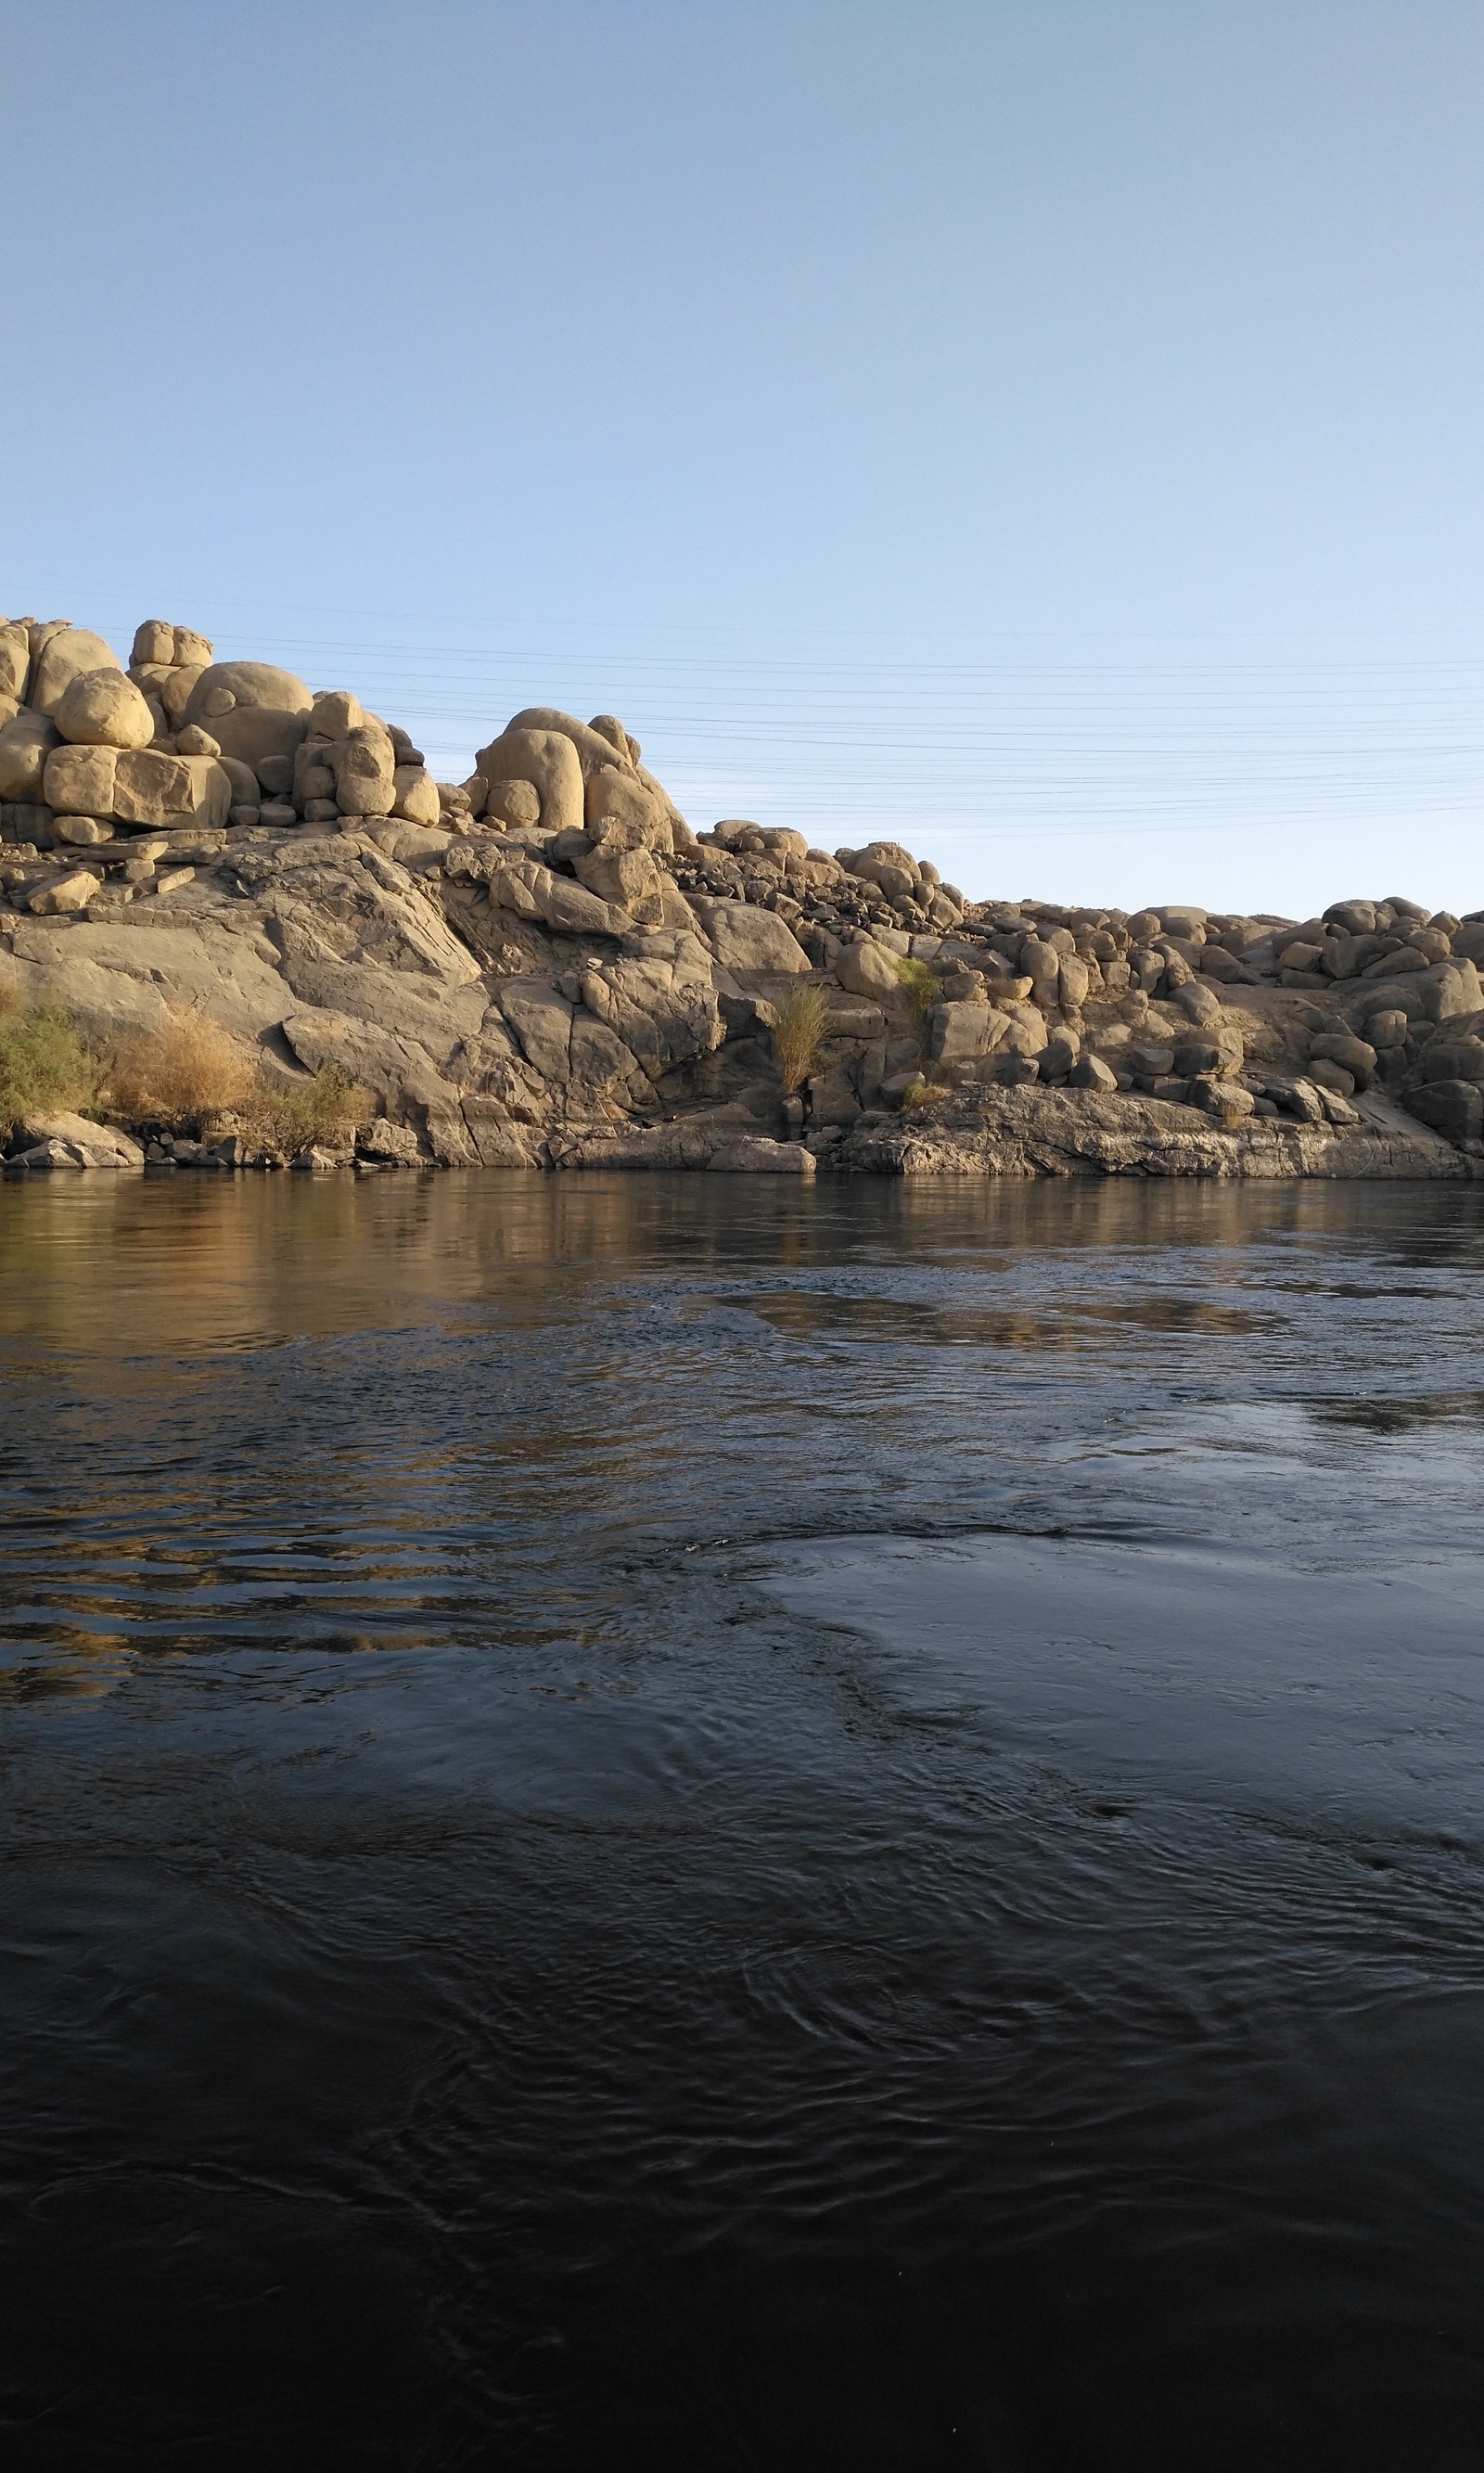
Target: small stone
(335, 714)
(1218, 1051)
(1455, 1110)
(1059, 1055)
(1198, 1003)
(417, 799)
(1229, 1102)
(867, 969)
(1327, 1076)
(1342, 1047)
(754, 1154)
(1011, 1067)
(1336, 1107)
(1299, 1099)
(91, 1144)
(154, 641)
(393, 1146)
(1073, 980)
(66, 894)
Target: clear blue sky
(1049, 434)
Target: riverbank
(546, 966)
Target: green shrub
(923, 1094)
(45, 1065)
(290, 1117)
(798, 1033)
(922, 990)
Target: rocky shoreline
(544, 967)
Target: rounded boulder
(255, 712)
(14, 661)
(25, 744)
(417, 799)
(103, 708)
(548, 759)
(867, 970)
(595, 746)
(68, 653)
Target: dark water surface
(674, 1822)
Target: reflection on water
(1399, 1416)
(665, 1820)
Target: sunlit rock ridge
(544, 966)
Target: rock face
(544, 966)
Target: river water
(689, 1823)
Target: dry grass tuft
(798, 1033)
(187, 1076)
(192, 1078)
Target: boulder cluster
(91, 752)
(545, 965)
(1196, 1007)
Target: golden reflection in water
(113, 1266)
(159, 1308)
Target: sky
(1048, 435)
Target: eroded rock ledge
(543, 966)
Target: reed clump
(922, 990)
(797, 1035)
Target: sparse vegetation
(922, 990)
(292, 1116)
(44, 1064)
(798, 1033)
(192, 1078)
(923, 1094)
(183, 1078)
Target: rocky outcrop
(543, 964)
(1037, 1132)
